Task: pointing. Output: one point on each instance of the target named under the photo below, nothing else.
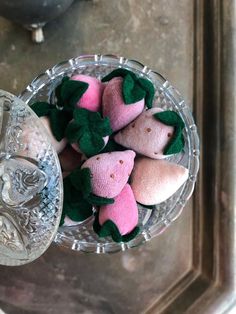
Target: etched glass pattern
(31, 190)
(152, 221)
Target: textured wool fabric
(114, 107)
(92, 98)
(59, 146)
(69, 159)
(123, 213)
(146, 135)
(154, 181)
(110, 172)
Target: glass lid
(30, 184)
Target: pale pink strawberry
(92, 98)
(119, 113)
(123, 212)
(76, 146)
(154, 181)
(59, 146)
(146, 135)
(110, 172)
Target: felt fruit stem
(80, 180)
(110, 229)
(75, 206)
(88, 130)
(67, 93)
(134, 89)
(172, 118)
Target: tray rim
(210, 284)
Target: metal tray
(190, 268)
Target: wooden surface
(190, 267)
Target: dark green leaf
(81, 180)
(78, 211)
(91, 143)
(81, 116)
(112, 146)
(131, 90)
(148, 87)
(58, 91)
(118, 73)
(98, 200)
(73, 132)
(58, 122)
(171, 118)
(176, 143)
(109, 228)
(71, 92)
(41, 108)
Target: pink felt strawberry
(110, 172)
(32, 143)
(120, 219)
(92, 98)
(150, 136)
(125, 97)
(154, 181)
(88, 132)
(69, 159)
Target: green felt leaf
(109, 228)
(170, 117)
(58, 91)
(148, 87)
(58, 122)
(41, 108)
(69, 93)
(73, 132)
(131, 90)
(91, 143)
(176, 144)
(98, 200)
(81, 116)
(62, 218)
(92, 121)
(81, 180)
(78, 211)
(118, 73)
(112, 146)
(75, 205)
(72, 91)
(88, 130)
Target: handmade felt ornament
(75, 205)
(152, 136)
(154, 181)
(67, 94)
(125, 97)
(88, 132)
(110, 172)
(92, 98)
(69, 159)
(120, 219)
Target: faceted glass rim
(179, 104)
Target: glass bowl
(152, 221)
